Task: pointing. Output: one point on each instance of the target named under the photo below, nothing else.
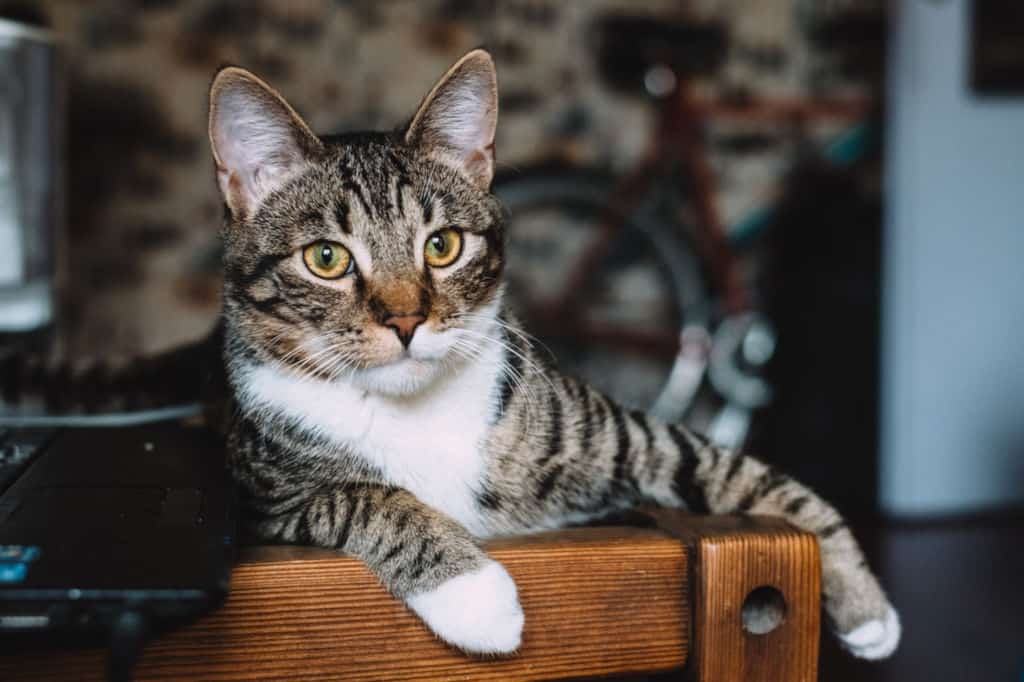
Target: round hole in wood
(764, 609)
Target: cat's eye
(443, 247)
(329, 260)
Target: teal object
(13, 572)
(850, 146)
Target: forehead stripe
(357, 190)
(400, 184)
(428, 209)
(341, 215)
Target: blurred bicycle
(636, 283)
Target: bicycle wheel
(619, 326)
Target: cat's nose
(405, 326)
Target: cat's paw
(874, 639)
(477, 611)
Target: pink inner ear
(468, 115)
(465, 122)
(480, 163)
(234, 192)
(258, 140)
(460, 115)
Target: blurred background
(807, 213)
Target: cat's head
(373, 258)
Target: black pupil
(438, 243)
(326, 254)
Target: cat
(380, 398)
(388, 404)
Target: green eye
(329, 260)
(443, 247)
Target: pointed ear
(459, 116)
(258, 140)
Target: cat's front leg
(420, 555)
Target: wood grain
(731, 557)
(598, 601)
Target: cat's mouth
(413, 365)
(403, 375)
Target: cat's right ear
(258, 140)
(459, 116)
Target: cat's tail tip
(875, 639)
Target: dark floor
(959, 587)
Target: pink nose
(405, 326)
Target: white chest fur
(430, 443)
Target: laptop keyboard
(18, 448)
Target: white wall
(953, 305)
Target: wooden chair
(598, 601)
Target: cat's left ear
(258, 140)
(459, 116)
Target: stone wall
(143, 212)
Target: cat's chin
(403, 377)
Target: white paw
(477, 611)
(874, 639)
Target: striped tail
(588, 455)
(709, 479)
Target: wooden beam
(598, 601)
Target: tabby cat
(388, 404)
(384, 401)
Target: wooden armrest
(736, 561)
(598, 601)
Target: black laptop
(123, 531)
